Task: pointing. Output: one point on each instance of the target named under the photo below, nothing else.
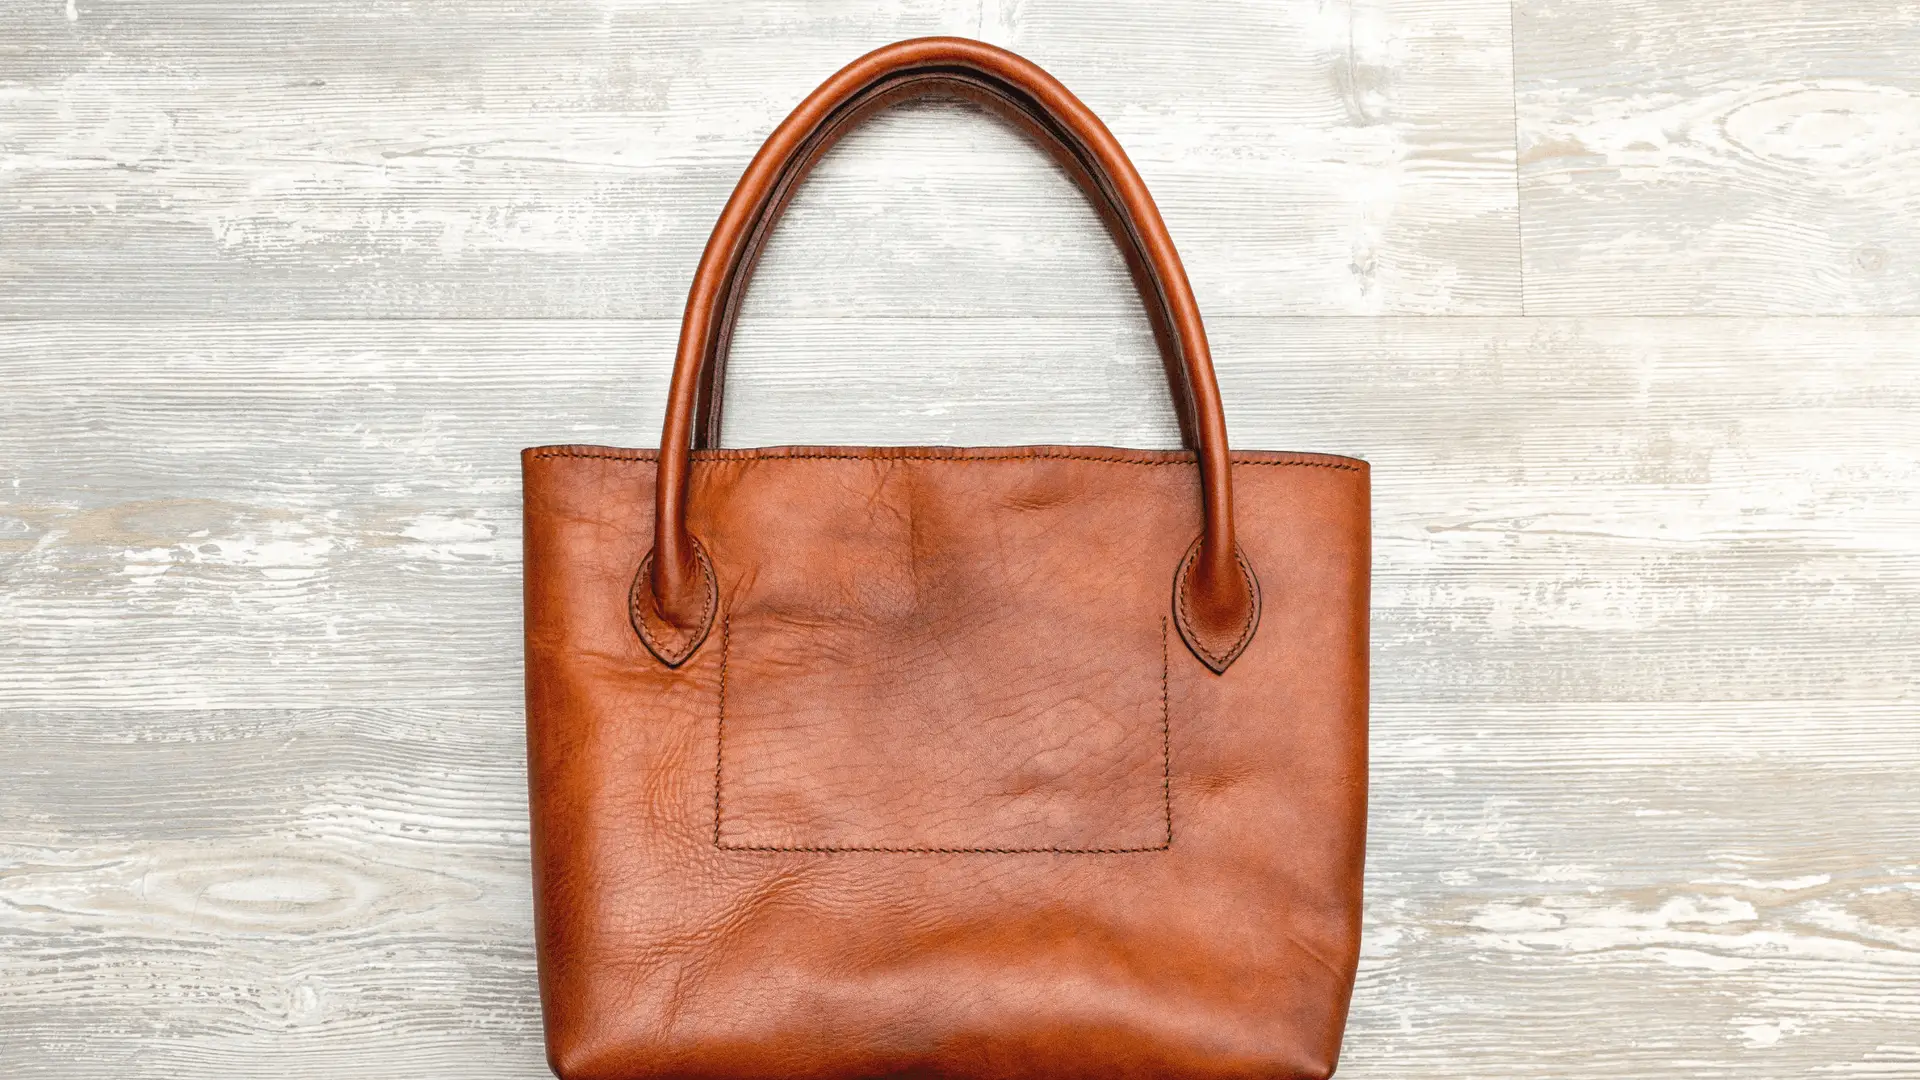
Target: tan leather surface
(1034, 762)
(972, 638)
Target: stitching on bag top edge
(1117, 457)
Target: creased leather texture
(667, 951)
(927, 762)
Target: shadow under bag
(1040, 761)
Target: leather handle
(1030, 119)
(1215, 595)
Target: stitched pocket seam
(719, 785)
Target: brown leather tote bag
(1037, 761)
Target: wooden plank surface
(1645, 747)
(303, 515)
(1554, 891)
(547, 158)
(1694, 157)
(291, 283)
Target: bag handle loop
(1216, 598)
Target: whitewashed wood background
(1620, 297)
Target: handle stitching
(1216, 660)
(640, 593)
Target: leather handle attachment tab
(1216, 598)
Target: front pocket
(860, 742)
